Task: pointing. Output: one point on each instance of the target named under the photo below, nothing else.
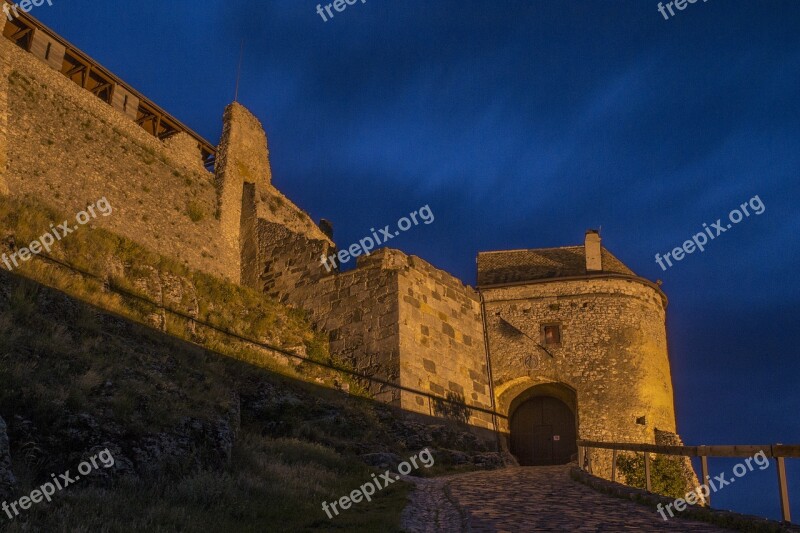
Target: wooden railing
(779, 452)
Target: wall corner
(242, 170)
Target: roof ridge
(531, 249)
(529, 264)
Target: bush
(195, 212)
(455, 408)
(666, 473)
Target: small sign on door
(556, 437)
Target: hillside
(201, 439)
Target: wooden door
(543, 432)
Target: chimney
(591, 246)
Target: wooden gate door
(543, 432)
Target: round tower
(578, 350)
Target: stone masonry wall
(5, 69)
(613, 352)
(359, 311)
(69, 148)
(290, 262)
(393, 317)
(278, 244)
(441, 343)
(242, 158)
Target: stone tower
(578, 348)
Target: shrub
(195, 211)
(666, 473)
(455, 408)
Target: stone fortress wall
(442, 349)
(71, 148)
(394, 316)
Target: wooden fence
(779, 452)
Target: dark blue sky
(522, 124)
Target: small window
(551, 334)
(47, 52)
(125, 103)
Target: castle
(551, 345)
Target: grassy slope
(123, 265)
(298, 444)
(270, 485)
(51, 365)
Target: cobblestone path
(527, 499)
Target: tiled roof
(516, 266)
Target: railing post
(783, 489)
(580, 457)
(704, 467)
(614, 465)
(647, 471)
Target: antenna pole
(239, 71)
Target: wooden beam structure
(90, 75)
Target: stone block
(448, 330)
(455, 387)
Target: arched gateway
(543, 426)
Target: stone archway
(543, 425)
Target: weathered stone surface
(430, 509)
(668, 438)
(69, 148)
(193, 444)
(730, 519)
(613, 354)
(382, 460)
